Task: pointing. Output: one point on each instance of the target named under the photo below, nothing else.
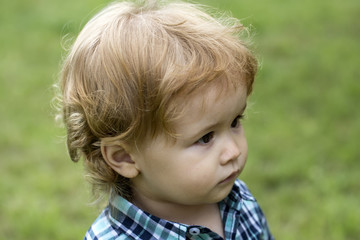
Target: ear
(119, 160)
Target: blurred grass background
(303, 125)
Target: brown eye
(236, 122)
(206, 138)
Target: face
(207, 157)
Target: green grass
(303, 124)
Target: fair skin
(183, 181)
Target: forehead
(210, 106)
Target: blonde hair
(128, 67)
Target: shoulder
(244, 198)
(249, 210)
(103, 229)
(241, 191)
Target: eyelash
(209, 136)
(237, 121)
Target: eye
(236, 122)
(206, 138)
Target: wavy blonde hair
(130, 66)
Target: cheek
(199, 176)
(244, 151)
(244, 154)
(181, 170)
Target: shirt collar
(135, 221)
(238, 194)
(127, 216)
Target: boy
(153, 95)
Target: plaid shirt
(241, 215)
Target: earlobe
(119, 160)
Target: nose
(231, 150)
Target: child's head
(133, 70)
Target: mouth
(231, 177)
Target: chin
(223, 194)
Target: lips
(231, 177)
